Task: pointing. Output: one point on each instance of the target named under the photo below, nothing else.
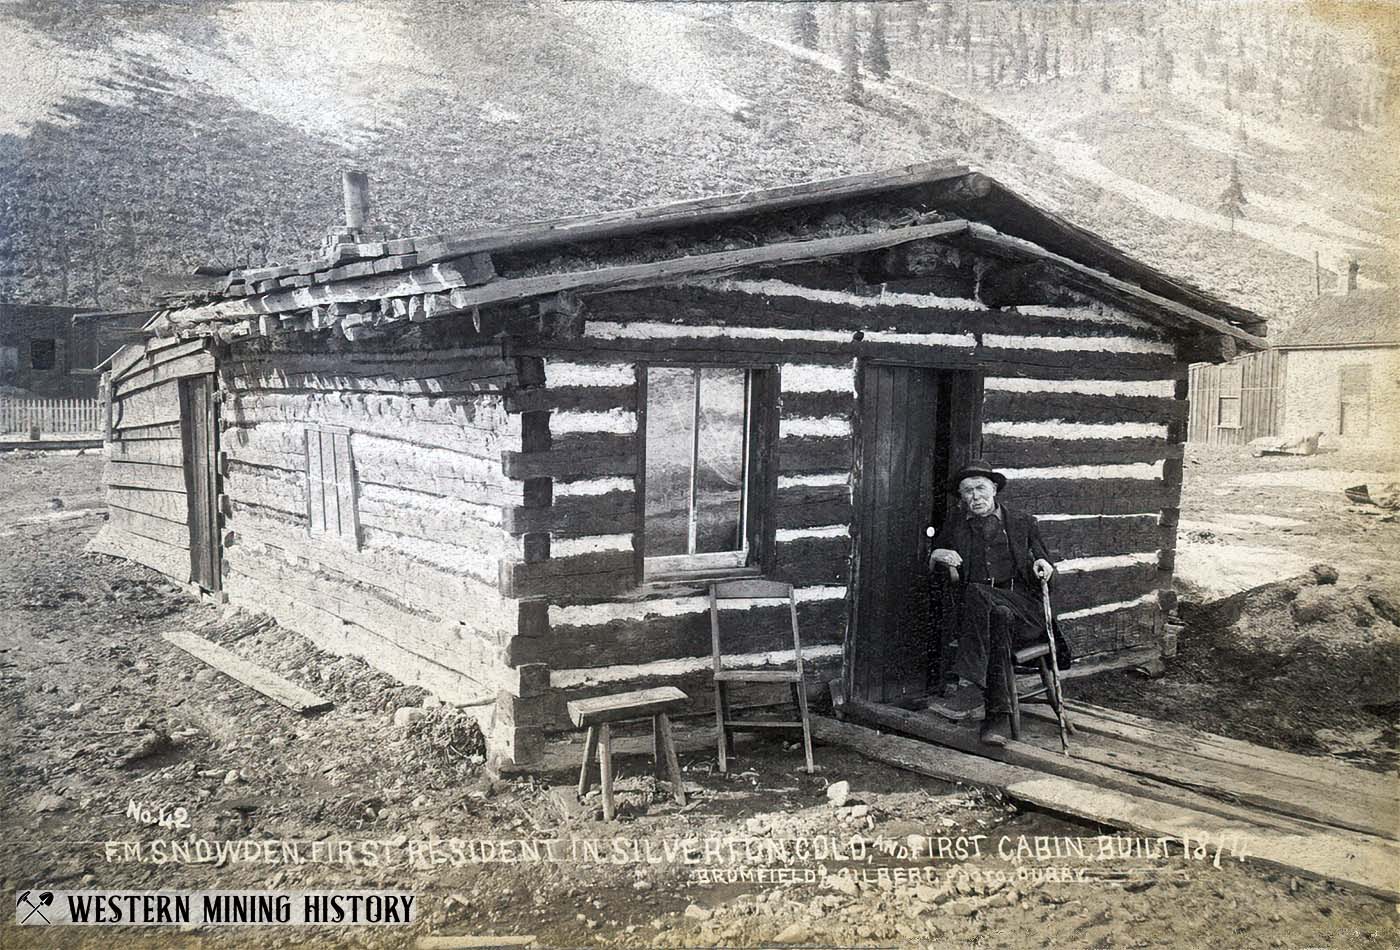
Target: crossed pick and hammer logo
(35, 905)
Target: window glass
(670, 444)
(696, 467)
(719, 473)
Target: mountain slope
(143, 139)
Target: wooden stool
(598, 712)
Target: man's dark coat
(1026, 544)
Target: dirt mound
(1301, 664)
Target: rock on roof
(1360, 317)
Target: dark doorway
(914, 425)
(199, 437)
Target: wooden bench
(597, 713)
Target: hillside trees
(804, 25)
(850, 66)
(877, 49)
(1232, 199)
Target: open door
(915, 425)
(199, 440)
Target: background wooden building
(505, 463)
(1237, 401)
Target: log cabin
(504, 464)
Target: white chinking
(1087, 315)
(825, 531)
(566, 679)
(1060, 429)
(1147, 470)
(592, 486)
(806, 378)
(820, 480)
(588, 374)
(651, 330)
(592, 544)
(1096, 344)
(1083, 565)
(1165, 388)
(587, 615)
(778, 288)
(1108, 608)
(807, 426)
(617, 421)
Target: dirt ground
(99, 712)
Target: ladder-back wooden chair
(724, 723)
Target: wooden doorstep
(1358, 861)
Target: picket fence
(52, 416)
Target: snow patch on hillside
(649, 45)
(42, 74)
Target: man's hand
(946, 556)
(1043, 569)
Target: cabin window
(330, 485)
(42, 353)
(1228, 408)
(700, 469)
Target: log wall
(1084, 406)
(144, 477)
(417, 592)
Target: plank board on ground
(1359, 861)
(269, 684)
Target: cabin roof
(1359, 318)
(652, 245)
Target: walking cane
(1056, 695)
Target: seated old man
(997, 558)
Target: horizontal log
(576, 398)
(1101, 537)
(196, 363)
(817, 405)
(159, 431)
(1004, 406)
(170, 560)
(1090, 496)
(150, 526)
(759, 629)
(171, 506)
(789, 307)
(575, 456)
(153, 451)
(333, 633)
(404, 578)
(142, 475)
(1050, 452)
(602, 571)
(156, 405)
(1039, 364)
(1095, 588)
(813, 561)
(814, 454)
(576, 516)
(812, 507)
(1112, 632)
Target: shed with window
(506, 464)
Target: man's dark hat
(974, 468)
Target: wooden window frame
(759, 479)
(1231, 390)
(52, 352)
(347, 528)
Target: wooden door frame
(966, 388)
(211, 424)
